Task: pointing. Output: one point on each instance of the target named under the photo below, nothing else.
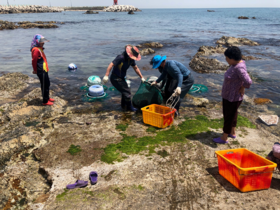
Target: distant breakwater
(84, 8)
(28, 9)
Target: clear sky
(154, 3)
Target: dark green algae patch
(180, 134)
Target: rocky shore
(203, 64)
(28, 9)
(121, 8)
(27, 24)
(139, 167)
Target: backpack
(276, 150)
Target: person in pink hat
(120, 66)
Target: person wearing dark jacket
(120, 66)
(40, 67)
(179, 78)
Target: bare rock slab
(230, 41)
(207, 65)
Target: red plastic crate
(244, 169)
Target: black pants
(171, 86)
(230, 114)
(45, 85)
(121, 85)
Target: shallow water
(92, 42)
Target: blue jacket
(176, 70)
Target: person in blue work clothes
(120, 66)
(179, 78)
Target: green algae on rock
(188, 129)
(122, 127)
(74, 150)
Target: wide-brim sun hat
(157, 60)
(133, 52)
(43, 40)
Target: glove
(105, 79)
(154, 83)
(143, 79)
(178, 91)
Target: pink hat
(133, 52)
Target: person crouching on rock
(236, 79)
(179, 78)
(120, 66)
(40, 67)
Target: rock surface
(28, 24)
(209, 50)
(131, 12)
(167, 175)
(151, 45)
(230, 41)
(207, 65)
(249, 57)
(243, 17)
(210, 10)
(28, 9)
(147, 51)
(91, 12)
(121, 8)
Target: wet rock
(147, 51)
(261, 101)
(230, 41)
(131, 12)
(200, 102)
(209, 50)
(91, 12)
(210, 10)
(7, 25)
(11, 83)
(249, 57)
(254, 18)
(151, 45)
(243, 17)
(206, 65)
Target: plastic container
(244, 169)
(96, 91)
(93, 80)
(158, 116)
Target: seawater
(93, 41)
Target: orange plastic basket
(158, 116)
(244, 169)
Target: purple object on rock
(93, 177)
(220, 141)
(78, 184)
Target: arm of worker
(175, 72)
(35, 55)
(138, 72)
(162, 76)
(244, 76)
(106, 77)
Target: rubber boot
(123, 103)
(129, 107)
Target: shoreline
(119, 146)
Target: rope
(195, 89)
(172, 102)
